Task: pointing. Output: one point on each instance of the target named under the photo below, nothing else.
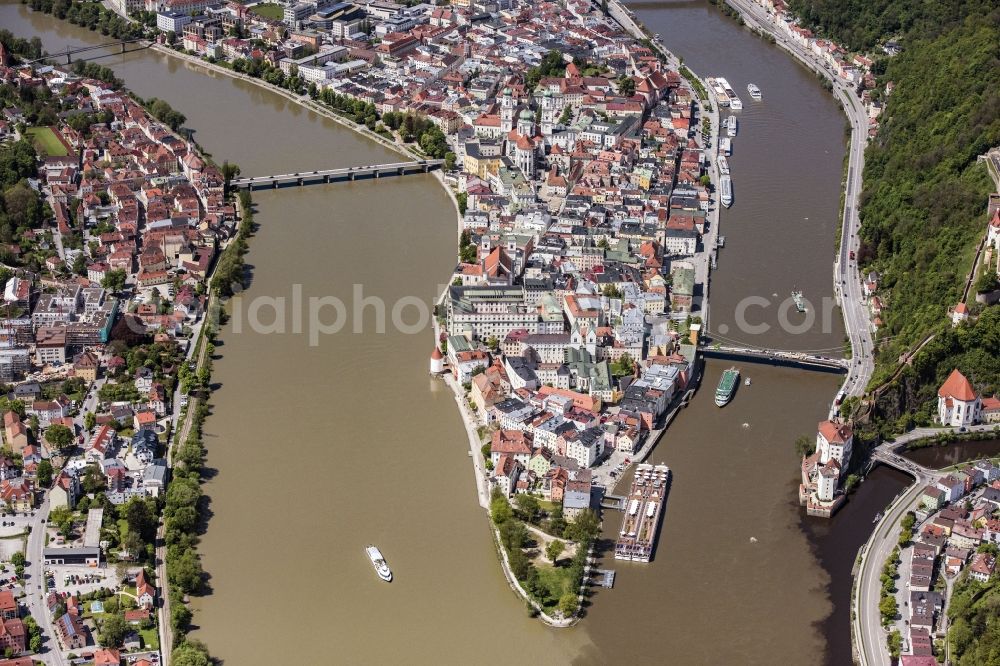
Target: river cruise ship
(727, 387)
(723, 165)
(643, 510)
(726, 191)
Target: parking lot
(78, 579)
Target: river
(319, 449)
(945, 455)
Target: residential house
(574, 503)
(15, 432)
(71, 632)
(17, 495)
(506, 473)
(982, 567)
(145, 593)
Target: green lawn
(150, 639)
(47, 142)
(269, 10)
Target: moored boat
(723, 165)
(726, 191)
(727, 386)
(381, 568)
(731, 127)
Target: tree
(190, 653)
(987, 282)
(895, 642)
(805, 445)
(554, 550)
(585, 528)
(89, 420)
(449, 161)
(114, 280)
(17, 559)
(141, 518)
(93, 480)
(44, 473)
(184, 570)
(60, 436)
(180, 617)
(887, 608)
(229, 171)
(528, 506)
(113, 631)
(623, 367)
(133, 545)
(80, 264)
(626, 85)
(567, 604)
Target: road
(34, 599)
(847, 279)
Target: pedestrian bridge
(778, 357)
(335, 175)
(93, 51)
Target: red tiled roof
(957, 387)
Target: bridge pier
(123, 47)
(69, 58)
(427, 168)
(326, 178)
(299, 181)
(350, 176)
(274, 183)
(375, 171)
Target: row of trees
(31, 49)
(92, 15)
(887, 606)
(165, 113)
(230, 272)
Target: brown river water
(319, 449)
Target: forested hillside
(923, 207)
(860, 25)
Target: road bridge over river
(798, 359)
(335, 175)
